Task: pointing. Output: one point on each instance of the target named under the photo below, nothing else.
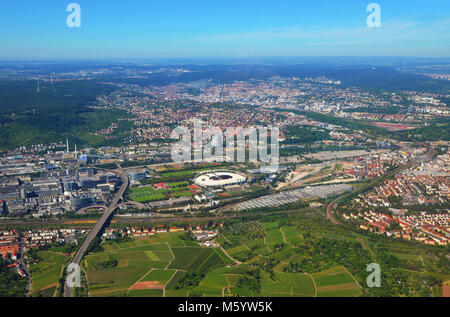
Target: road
(24, 267)
(83, 210)
(330, 211)
(68, 292)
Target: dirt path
(173, 255)
(86, 276)
(142, 277)
(366, 246)
(230, 257)
(225, 238)
(314, 283)
(265, 243)
(330, 211)
(284, 236)
(110, 291)
(352, 277)
(171, 278)
(421, 259)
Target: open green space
(148, 193)
(336, 282)
(45, 274)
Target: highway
(68, 292)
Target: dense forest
(299, 135)
(52, 114)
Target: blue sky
(36, 29)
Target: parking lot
(293, 196)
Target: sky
(37, 29)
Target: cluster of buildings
(316, 94)
(375, 165)
(157, 110)
(416, 200)
(9, 242)
(205, 235)
(109, 130)
(57, 192)
(52, 183)
(381, 117)
(428, 184)
(136, 232)
(10, 250)
(424, 98)
(40, 237)
(431, 229)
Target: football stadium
(219, 179)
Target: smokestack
(67, 145)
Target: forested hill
(59, 110)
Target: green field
(316, 258)
(45, 274)
(162, 276)
(134, 260)
(293, 235)
(152, 259)
(211, 285)
(336, 282)
(189, 258)
(148, 193)
(146, 293)
(273, 234)
(187, 172)
(287, 285)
